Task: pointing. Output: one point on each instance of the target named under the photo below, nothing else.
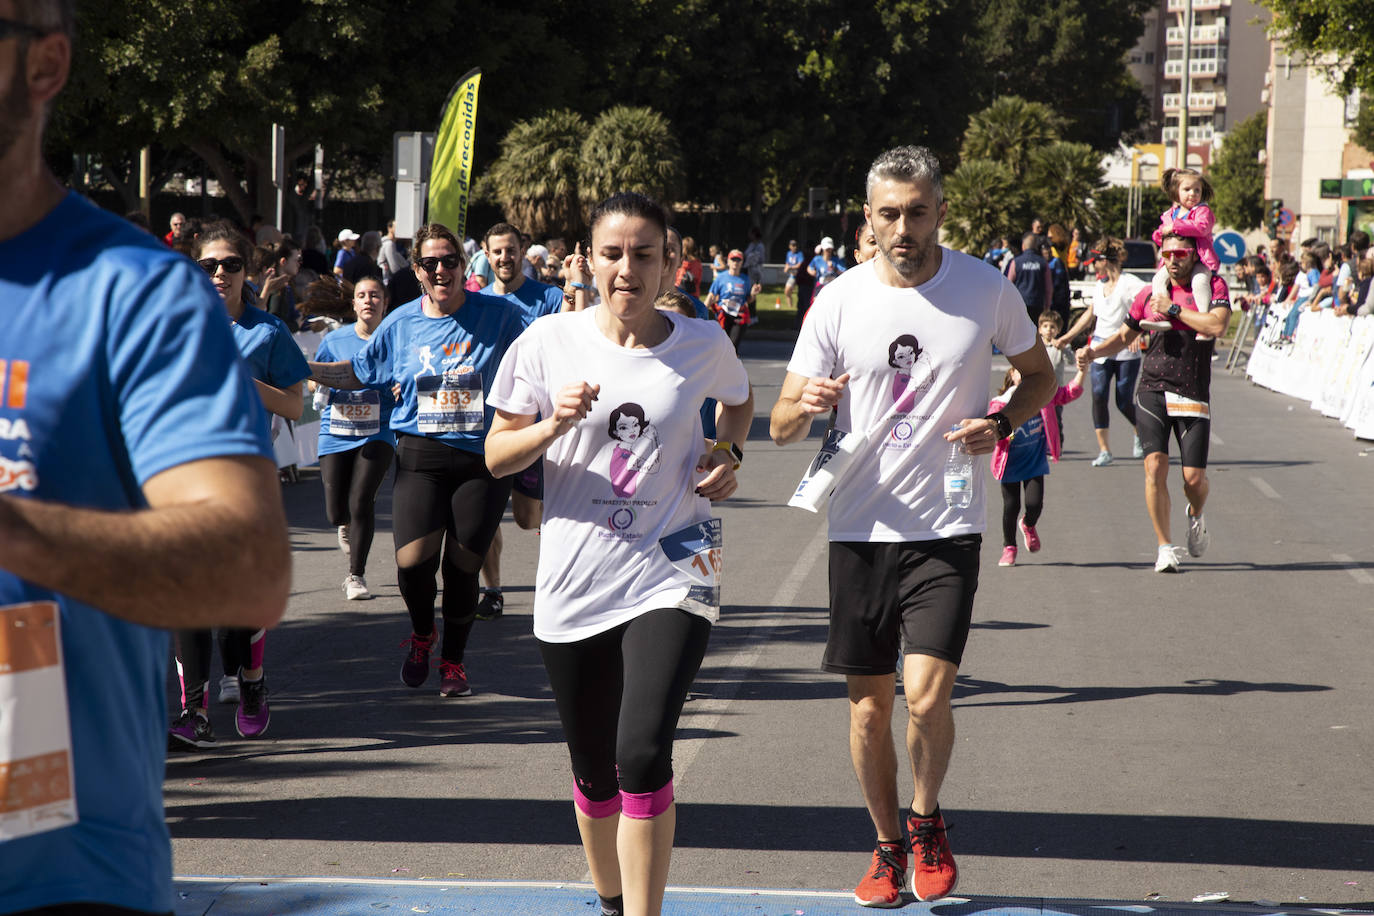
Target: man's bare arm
(800, 401)
(335, 375)
(211, 549)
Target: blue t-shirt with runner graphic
(443, 365)
(353, 418)
(731, 292)
(116, 364)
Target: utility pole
(1186, 15)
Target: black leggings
(351, 480)
(442, 488)
(620, 694)
(1011, 506)
(194, 649)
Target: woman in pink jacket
(1022, 460)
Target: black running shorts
(1153, 424)
(884, 595)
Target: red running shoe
(453, 679)
(933, 872)
(415, 668)
(882, 886)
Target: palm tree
(1008, 130)
(984, 201)
(535, 179)
(631, 149)
(1063, 178)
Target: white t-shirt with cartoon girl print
(928, 352)
(626, 475)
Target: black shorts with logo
(1153, 424)
(884, 595)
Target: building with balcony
(1224, 49)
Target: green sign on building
(1346, 187)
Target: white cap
(827, 242)
(348, 235)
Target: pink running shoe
(1008, 557)
(1029, 536)
(453, 679)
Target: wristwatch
(1002, 422)
(1174, 310)
(724, 445)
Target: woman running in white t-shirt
(627, 587)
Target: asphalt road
(1120, 733)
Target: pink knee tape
(257, 645)
(644, 805)
(595, 809)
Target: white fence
(1327, 363)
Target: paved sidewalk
(211, 896)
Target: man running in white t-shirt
(904, 343)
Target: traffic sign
(1230, 247)
(1286, 217)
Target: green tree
(535, 178)
(1110, 205)
(1237, 175)
(1008, 131)
(984, 204)
(1337, 35)
(630, 149)
(1062, 178)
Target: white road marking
(1358, 574)
(1264, 488)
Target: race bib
(37, 783)
(1176, 405)
(696, 550)
(732, 307)
(355, 413)
(450, 403)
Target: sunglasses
(10, 27)
(1175, 253)
(231, 265)
(430, 265)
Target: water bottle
(958, 475)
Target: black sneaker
(491, 605)
(190, 730)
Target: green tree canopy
(984, 197)
(1008, 131)
(630, 149)
(535, 179)
(1062, 178)
(1237, 175)
(1338, 35)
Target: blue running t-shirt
(116, 363)
(353, 418)
(444, 366)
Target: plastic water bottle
(958, 475)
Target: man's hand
(978, 435)
(1160, 306)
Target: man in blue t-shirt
(730, 297)
(506, 252)
(137, 494)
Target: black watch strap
(1002, 422)
(737, 452)
(1174, 310)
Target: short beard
(908, 267)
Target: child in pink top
(1189, 216)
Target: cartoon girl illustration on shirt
(914, 373)
(637, 448)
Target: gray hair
(909, 164)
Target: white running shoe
(1168, 559)
(1137, 450)
(1152, 325)
(1198, 538)
(229, 690)
(355, 589)
(1103, 459)
(343, 539)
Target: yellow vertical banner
(450, 175)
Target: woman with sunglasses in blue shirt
(279, 371)
(441, 352)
